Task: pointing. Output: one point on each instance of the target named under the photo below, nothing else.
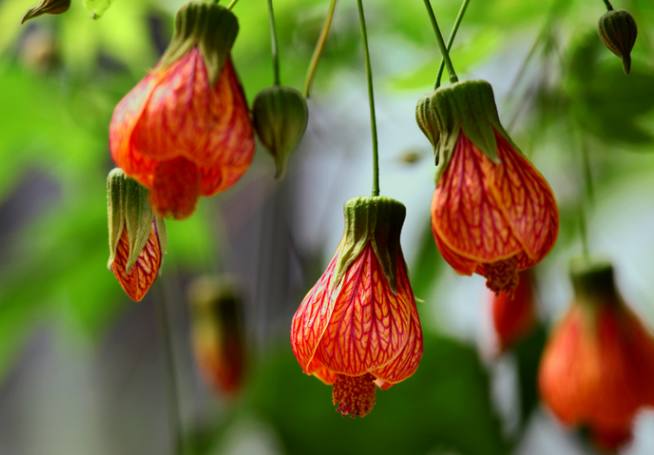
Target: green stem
(274, 42)
(232, 4)
(320, 46)
(371, 102)
(169, 361)
(608, 5)
(583, 232)
(450, 40)
(441, 42)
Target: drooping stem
(320, 46)
(451, 38)
(608, 5)
(273, 41)
(371, 102)
(441, 42)
(583, 232)
(232, 4)
(171, 371)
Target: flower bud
(280, 117)
(47, 7)
(217, 332)
(618, 32)
(136, 237)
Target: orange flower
(598, 366)
(492, 212)
(184, 130)
(136, 236)
(514, 312)
(217, 333)
(358, 326)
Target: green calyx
(593, 282)
(280, 116)
(210, 27)
(377, 221)
(618, 32)
(128, 208)
(467, 107)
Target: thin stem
(320, 46)
(273, 41)
(232, 4)
(441, 42)
(588, 174)
(371, 102)
(166, 333)
(450, 40)
(583, 232)
(608, 5)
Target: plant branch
(274, 42)
(441, 42)
(451, 38)
(320, 46)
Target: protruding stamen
(354, 395)
(502, 276)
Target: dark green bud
(618, 32)
(47, 7)
(280, 117)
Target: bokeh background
(82, 369)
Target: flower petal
(525, 199)
(369, 324)
(137, 281)
(175, 188)
(465, 214)
(311, 320)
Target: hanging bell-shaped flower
(493, 213)
(47, 7)
(218, 333)
(137, 238)
(618, 32)
(358, 327)
(280, 117)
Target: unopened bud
(618, 32)
(47, 7)
(136, 236)
(280, 117)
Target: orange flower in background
(185, 130)
(136, 236)
(218, 333)
(514, 313)
(358, 326)
(492, 212)
(598, 366)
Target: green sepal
(467, 106)
(210, 27)
(618, 31)
(280, 116)
(593, 282)
(47, 7)
(376, 220)
(128, 208)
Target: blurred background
(83, 369)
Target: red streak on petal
(484, 212)
(139, 279)
(369, 324)
(175, 188)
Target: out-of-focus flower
(184, 130)
(39, 51)
(492, 211)
(514, 313)
(137, 238)
(358, 326)
(280, 117)
(598, 366)
(47, 7)
(218, 333)
(618, 32)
